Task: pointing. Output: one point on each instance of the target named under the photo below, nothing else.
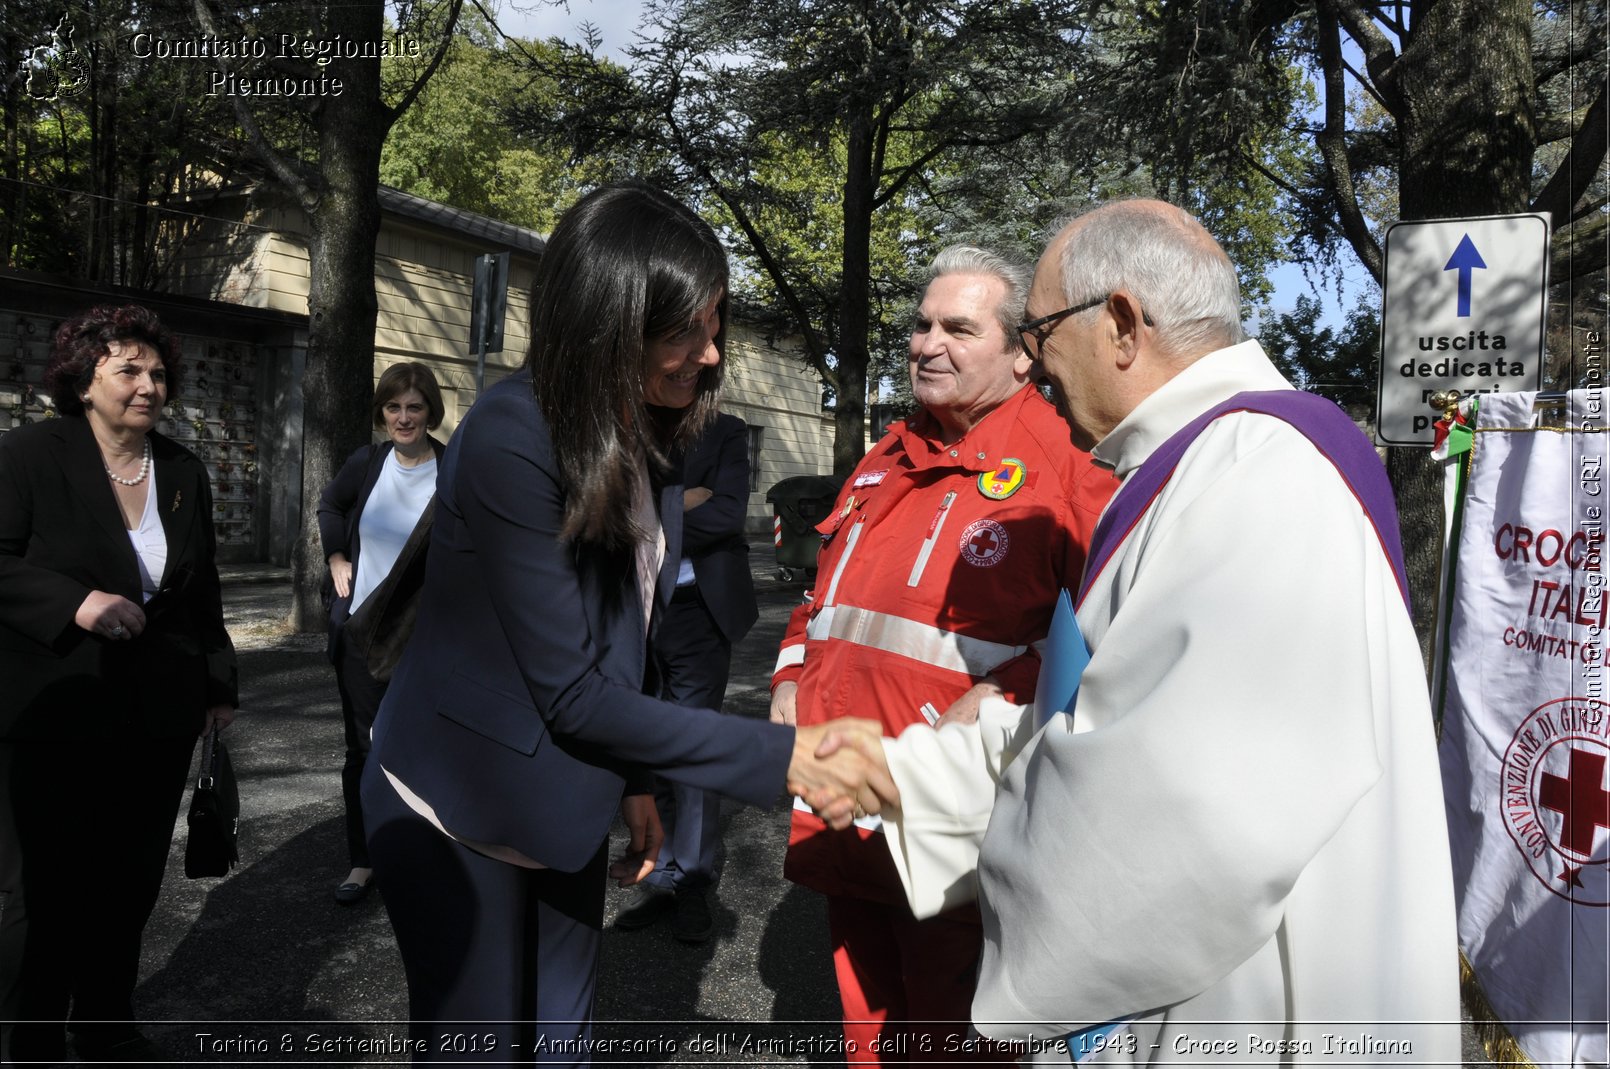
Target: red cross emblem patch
(984, 543)
(1556, 798)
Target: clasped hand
(839, 769)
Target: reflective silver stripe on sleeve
(919, 641)
(789, 656)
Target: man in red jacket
(940, 565)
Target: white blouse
(150, 541)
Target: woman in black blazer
(401, 474)
(114, 659)
(521, 709)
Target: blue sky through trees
(617, 20)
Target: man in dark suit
(712, 608)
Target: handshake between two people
(839, 769)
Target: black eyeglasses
(1031, 330)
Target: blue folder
(1062, 662)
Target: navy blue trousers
(501, 960)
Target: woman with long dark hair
(501, 757)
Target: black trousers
(93, 823)
(360, 701)
(694, 659)
(502, 956)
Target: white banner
(1526, 721)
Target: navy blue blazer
(518, 711)
(712, 533)
(62, 536)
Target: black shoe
(649, 907)
(693, 923)
(350, 894)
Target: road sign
(1462, 309)
(489, 299)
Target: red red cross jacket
(940, 565)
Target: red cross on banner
(1581, 798)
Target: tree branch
(905, 173)
(1589, 207)
(288, 176)
(1394, 23)
(1380, 58)
(1580, 167)
(1579, 250)
(1580, 47)
(1557, 126)
(1332, 144)
(1365, 84)
(815, 346)
(1279, 182)
(454, 6)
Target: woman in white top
(374, 502)
(113, 659)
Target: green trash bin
(798, 505)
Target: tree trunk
(339, 380)
(855, 316)
(1467, 139)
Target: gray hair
(1015, 277)
(1161, 254)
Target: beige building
(424, 269)
(237, 293)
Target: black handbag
(214, 814)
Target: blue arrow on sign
(1465, 258)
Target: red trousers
(907, 984)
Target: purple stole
(1318, 419)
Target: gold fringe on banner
(1495, 1039)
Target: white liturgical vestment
(1238, 839)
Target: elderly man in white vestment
(1237, 842)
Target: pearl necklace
(145, 469)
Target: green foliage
(814, 133)
(96, 134)
(1340, 364)
(1194, 103)
(456, 145)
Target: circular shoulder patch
(984, 543)
(1004, 481)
